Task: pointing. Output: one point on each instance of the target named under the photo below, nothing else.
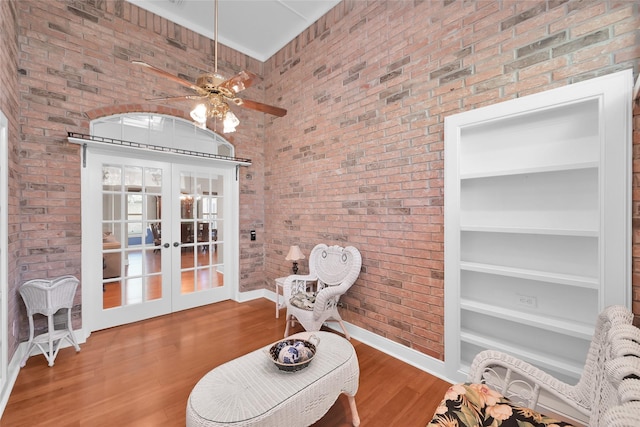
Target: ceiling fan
(216, 92)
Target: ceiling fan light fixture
(199, 114)
(217, 106)
(216, 91)
(230, 122)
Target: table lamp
(294, 255)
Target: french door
(199, 208)
(162, 245)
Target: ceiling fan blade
(258, 106)
(239, 82)
(169, 76)
(177, 98)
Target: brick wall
(359, 158)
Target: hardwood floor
(141, 374)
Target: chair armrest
(520, 381)
(323, 297)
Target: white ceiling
(257, 28)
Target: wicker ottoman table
(252, 391)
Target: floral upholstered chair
(332, 271)
(503, 391)
(478, 405)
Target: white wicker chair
(47, 297)
(334, 269)
(608, 392)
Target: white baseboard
(408, 355)
(12, 374)
(251, 295)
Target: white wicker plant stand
(252, 391)
(47, 297)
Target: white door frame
(5, 382)
(92, 234)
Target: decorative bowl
(293, 354)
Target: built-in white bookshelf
(537, 223)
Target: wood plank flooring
(141, 374)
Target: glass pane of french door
(135, 282)
(200, 192)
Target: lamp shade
(230, 122)
(199, 114)
(294, 253)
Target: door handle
(166, 245)
(176, 244)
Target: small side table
(47, 297)
(279, 305)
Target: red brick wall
(359, 158)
